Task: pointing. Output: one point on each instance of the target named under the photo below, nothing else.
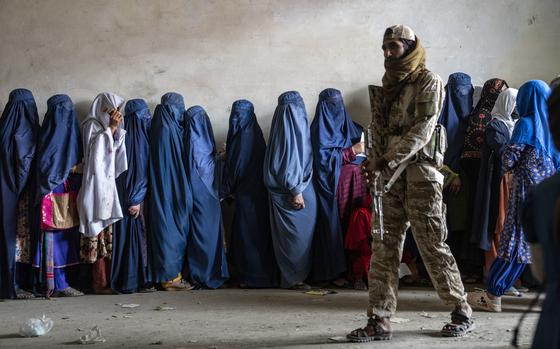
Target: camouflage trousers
(420, 206)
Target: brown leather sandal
(377, 329)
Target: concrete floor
(234, 318)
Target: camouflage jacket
(408, 126)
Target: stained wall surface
(214, 52)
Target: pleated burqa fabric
(206, 254)
(169, 196)
(128, 271)
(251, 248)
(19, 128)
(332, 130)
(288, 171)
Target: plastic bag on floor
(36, 327)
(93, 336)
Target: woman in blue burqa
(128, 271)
(206, 254)
(170, 197)
(288, 171)
(19, 128)
(332, 130)
(57, 241)
(251, 250)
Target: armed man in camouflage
(411, 100)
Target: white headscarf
(504, 106)
(102, 104)
(104, 160)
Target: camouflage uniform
(415, 199)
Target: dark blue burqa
(59, 148)
(454, 116)
(331, 131)
(251, 248)
(19, 127)
(169, 196)
(128, 271)
(206, 254)
(288, 171)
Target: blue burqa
(128, 271)
(169, 197)
(59, 148)
(19, 127)
(331, 131)
(454, 116)
(532, 128)
(206, 254)
(251, 247)
(288, 170)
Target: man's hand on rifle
(370, 167)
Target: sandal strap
(376, 324)
(458, 317)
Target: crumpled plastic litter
(93, 336)
(36, 327)
(131, 305)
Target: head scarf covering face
(137, 120)
(176, 105)
(399, 71)
(481, 116)
(202, 146)
(60, 145)
(16, 141)
(490, 92)
(245, 147)
(289, 159)
(532, 128)
(554, 115)
(331, 131)
(242, 115)
(504, 107)
(103, 104)
(457, 107)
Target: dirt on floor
(235, 318)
